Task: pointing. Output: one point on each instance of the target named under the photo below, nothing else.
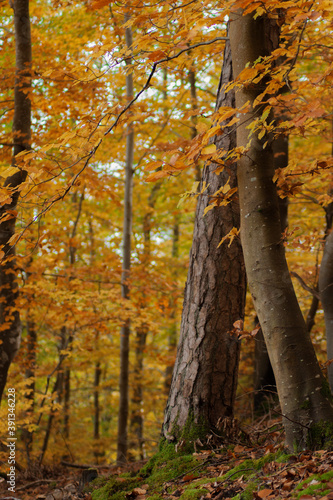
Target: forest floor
(254, 466)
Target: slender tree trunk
(264, 380)
(30, 374)
(326, 295)
(127, 230)
(194, 100)
(67, 335)
(301, 385)
(9, 316)
(205, 374)
(137, 400)
(173, 334)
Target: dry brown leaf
(264, 493)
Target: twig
(10, 498)
(34, 483)
(313, 292)
(84, 466)
(155, 65)
(291, 420)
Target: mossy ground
(168, 465)
(315, 485)
(164, 466)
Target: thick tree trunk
(9, 316)
(127, 231)
(205, 374)
(301, 386)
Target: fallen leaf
(264, 493)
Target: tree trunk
(9, 316)
(301, 386)
(27, 435)
(205, 374)
(264, 380)
(326, 295)
(194, 102)
(173, 333)
(127, 230)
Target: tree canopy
(70, 204)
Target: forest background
(69, 227)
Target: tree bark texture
(301, 385)
(205, 374)
(127, 232)
(10, 335)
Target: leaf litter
(263, 470)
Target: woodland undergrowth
(252, 465)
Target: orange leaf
(264, 493)
(157, 175)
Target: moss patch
(320, 436)
(165, 466)
(115, 488)
(315, 485)
(191, 434)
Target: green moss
(306, 405)
(193, 493)
(166, 465)
(155, 497)
(191, 433)
(248, 468)
(247, 494)
(326, 390)
(115, 489)
(320, 436)
(306, 488)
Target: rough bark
(127, 231)
(10, 335)
(205, 374)
(301, 385)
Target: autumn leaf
(209, 150)
(155, 176)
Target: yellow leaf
(14, 239)
(213, 131)
(9, 171)
(207, 209)
(209, 150)
(201, 127)
(261, 134)
(231, 235)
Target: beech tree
(326, 296)
(301, 386)
(122, 443)
(205, 374)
